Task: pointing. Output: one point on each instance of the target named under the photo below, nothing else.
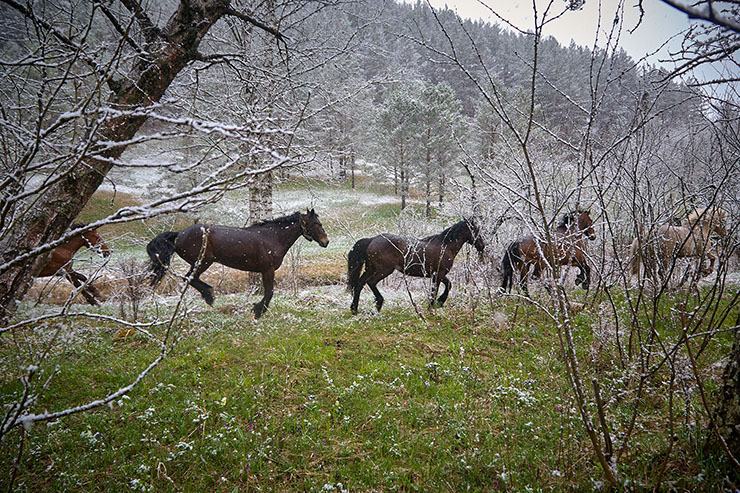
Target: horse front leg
(523, 271)
(79, 280)
(205, 290)
(446, 292)
(712, 257)
(268, 282)
(584, 275)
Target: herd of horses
(262, 246)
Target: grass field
(471, 396)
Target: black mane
(453, 233)
(569, 217)
(280, 221)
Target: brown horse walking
(60, 261)
(570, 249)
(690, 239)
(257, 248)
(427, 257)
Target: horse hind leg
(373, 278)
(378, 297)
(357, 291)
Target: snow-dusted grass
(469, 396)
(311, 398)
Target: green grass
(473, 397)
(310, 396)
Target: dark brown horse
(60, 261)
(257, 248)
(570, 249)
(428, 257)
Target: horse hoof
(258, 311)
(353, 309)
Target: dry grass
(316, 272)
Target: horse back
(388, 249)
(239, 248)
(419, 258)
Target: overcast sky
(660, 23)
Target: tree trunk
(148, 79)
(441, 181)
(727, 412)
(403, 187)
(266, 195)
(352, 167)
(343, 167)
(428, 174)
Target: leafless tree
(637, 151)
(88, 92)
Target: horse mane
(280, 221)
(705, 214)
(568, 217)
(451, 234)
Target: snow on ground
(145, 178)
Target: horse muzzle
(323, 242)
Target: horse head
(712, 219)
(92, 240)
(719, 221)
(476, 239)
(586, 224)
(312, 229)
(96, 243)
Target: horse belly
(243, 255)
(416, 269)
(55, 263)
(426, 263)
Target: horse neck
(76, 242)
(571, 232)
(702, 228)
(453, 246)
(287, 235)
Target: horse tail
(511, 256)
(160, 251)
(355, 260)
(635, 258)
